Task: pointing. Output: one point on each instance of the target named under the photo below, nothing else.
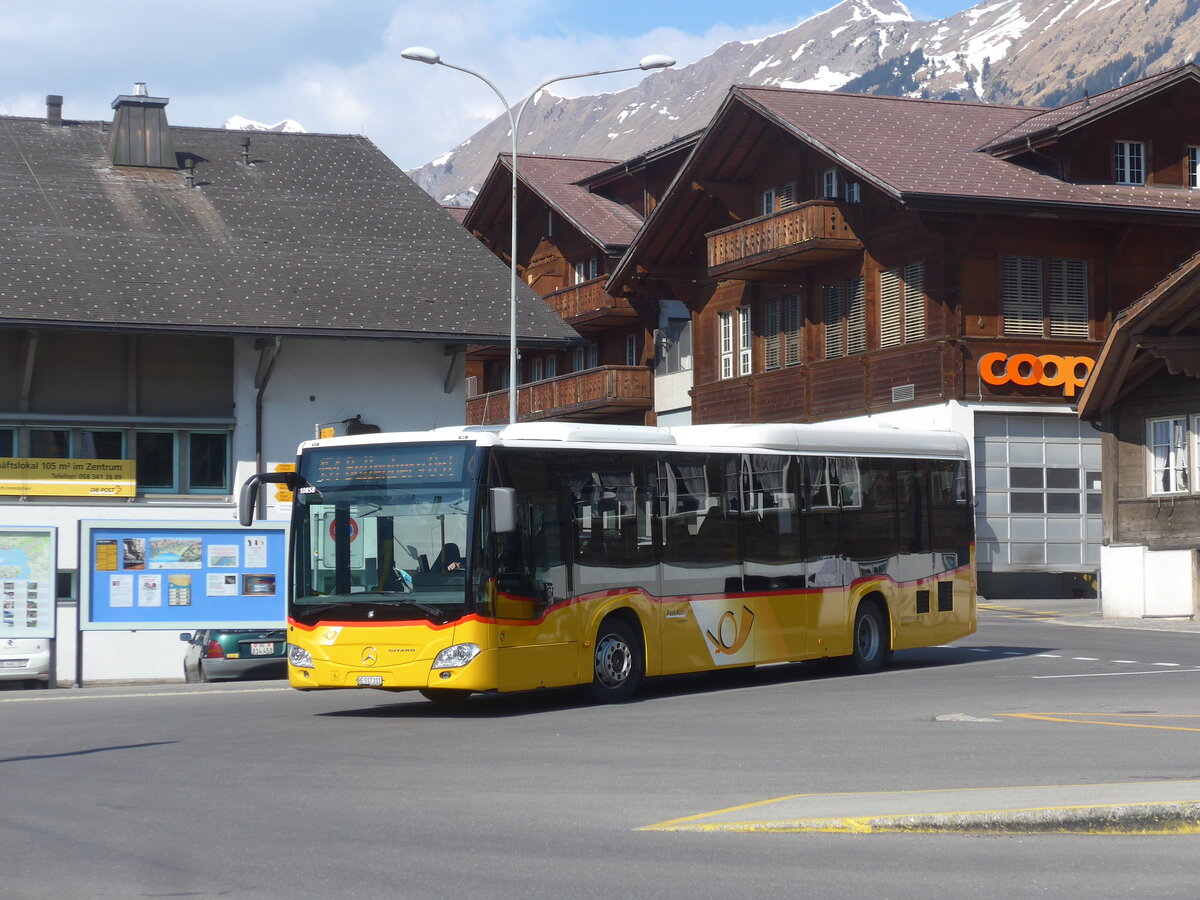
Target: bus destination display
(376, 465)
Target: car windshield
(390, 548)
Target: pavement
(1168, 807)
(1084, 613)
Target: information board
(28, 570)
(182, 575)
(68, 477)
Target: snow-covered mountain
(1033, 52)
(240, 123)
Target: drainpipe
(268, 355)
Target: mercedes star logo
(369, 656)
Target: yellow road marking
(1058, 717)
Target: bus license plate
(370, 681)
(262, 649)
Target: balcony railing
(816, 229)
(587, 301)
(590, 394)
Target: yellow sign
(68, 478)
(282, 494)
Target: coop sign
(1026, 370)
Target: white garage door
(1037, 483)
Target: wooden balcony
(587, 303)
(774, 246)
(591, 394)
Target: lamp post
(431, 57)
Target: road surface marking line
(1044, 717)
(1113, 674)
(1050, 655)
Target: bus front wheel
(871, 648)
(617, 664)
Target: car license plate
(13, 663)
(262, 649)
(370, 680)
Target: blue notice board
(171, 575)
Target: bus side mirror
(248, 496)
(504, 510)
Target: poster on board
(28, 582)
(168, 575)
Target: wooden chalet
(576, 217)
(931, 263)
(1145, 396)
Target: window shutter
(771, 335)
(833, 321)
(1068, 296)
(793, 326)
(1022, 292)
(786, 195)
(856, 316)
(889, 308)
(914, 302)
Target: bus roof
(785, 437)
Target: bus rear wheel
(618, 664)
(871, 648)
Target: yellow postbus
(535, 555)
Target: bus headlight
(299, 657)
(456, 657)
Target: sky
(335, 66)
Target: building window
(1170, 467)
(593, 355)
(1130, 162)
(1045, 298)
(537, 370)
(673, 348)
(594, 267)
(168, 461)
(744, 341)
(580, 276)
(725, 332)
(845, 318)
(902, 304)
(630, 350)
(1193, 167)
(773, 199)
(551, 366)
(852, 192)
(829, 184)
(579, 359)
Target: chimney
(140, 133)
(54, 109)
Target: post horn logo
(730, 636)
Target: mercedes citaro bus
(542, 555)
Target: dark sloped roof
(918, 149)
(1159, 331)
(556, 180)
(321, 235)
(1074, 115)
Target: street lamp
(431, 57)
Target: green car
(224, 653)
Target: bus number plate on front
(370, 680)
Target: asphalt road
(253, 790)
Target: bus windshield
(383, 532)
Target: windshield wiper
(431, 611)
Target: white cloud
(332, 67)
